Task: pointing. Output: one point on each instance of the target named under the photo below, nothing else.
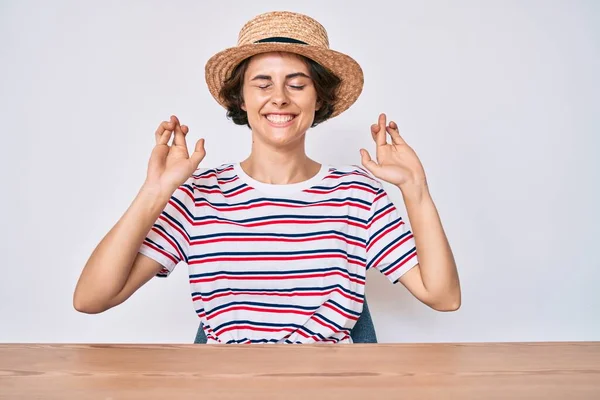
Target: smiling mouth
(280, 119)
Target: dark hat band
(280, 39)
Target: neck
(279, 166)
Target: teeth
(280, 119)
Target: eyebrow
(288, 76)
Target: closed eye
(295, 87)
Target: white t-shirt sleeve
(391, 247)
(168, 241)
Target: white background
(500, 100)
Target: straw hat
(294, 33)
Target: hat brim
(220, 66)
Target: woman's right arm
(116, 269)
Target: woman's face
(279, 97)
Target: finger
(164, 126)
(199, 153)
(179, 135)
(374, 130)
(185, 129)
(368, 163)
(392, 129)
(165, 137)
(381, 136)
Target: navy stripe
(380, 211)
(224, 192)
(299, 271)
(341, 307)
(400, 259)
(393, 243)
(292, 290)
(275, 253)
(160, 228)
(345, 184)
(265, 324)
(387, 226)
(338, 327)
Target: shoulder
(355, 174)
(204, 175)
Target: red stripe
(267, 204)
(168, 240)
(252, 328)
(400, 242)
(185, 190)
(342, 313)
(213, 174)
(323, 191)
(346, 174)
(227, 181)
(161, 251)
(287, 221)
(260, 309)
(326, 325)
(219, 192)
(377, 218)
(276, 239)
(382, 234)
(290, 330)
(379, 197)
(176, 227)
(303, 334)
(277, 258)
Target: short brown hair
(326, 85)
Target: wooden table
(308, 372)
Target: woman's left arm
(434, 281)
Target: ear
(318, 105)
(243, 107)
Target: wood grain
(565, 370)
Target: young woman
(278, 244)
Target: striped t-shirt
(280, 263)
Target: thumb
(368, 163)
(199, 153)
(158, 160)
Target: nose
(279, 96)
